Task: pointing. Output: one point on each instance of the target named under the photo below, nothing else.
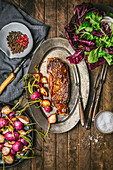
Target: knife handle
(88, 124)
(95, 108)
(9, 79)
(81, 112)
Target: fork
(101, 82)
(95, 88)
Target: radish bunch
(13, 138)
(37, 90)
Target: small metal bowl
(99, 116)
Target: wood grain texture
(73, 135)
(50, 144)
(62, 139)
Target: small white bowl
(14, 26)
(104, 122)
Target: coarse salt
(104, 122)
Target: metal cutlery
(95, 88)
(98, 84)
(11, 77)
(81, 111)
(101, 82)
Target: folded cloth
(8, 14)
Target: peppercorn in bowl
(16, 40)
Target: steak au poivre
(59, 84)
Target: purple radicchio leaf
(76, 58)
(81, 9)
(106, 28)
(108, 50)
(98, 33)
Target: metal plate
(60, 48)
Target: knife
(12, 76)
(95, 88)
(81, 111)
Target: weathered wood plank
(84, 143)
(62, 139)
(28, 6)
(50, 144)
(73, 135)
(108, 105)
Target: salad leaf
(90, 36)
(93, 56)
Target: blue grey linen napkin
(9, 13)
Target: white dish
(14, 26)
(104, 122)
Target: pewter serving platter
(60, 48)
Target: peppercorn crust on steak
(59, 84)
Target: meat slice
(59, 84)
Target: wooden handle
(9, 79)
(81, 112)
(95, 109)
(88, 124)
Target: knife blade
(78, 84)
(12, 76)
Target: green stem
(47, 130)
(24, 157)
(3, 162)
(17, 104)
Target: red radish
(43, 80)
(22, 132)
(17, 146)
(38, 75)
(35, 95)
(8, 129)
(9, 136)
(2, 139)
(48, 109)
(3, 122)
(44, 91)
(13, 119)
(8, 145)
(9, 159)
(45, 103)
(39, 84)
(52, 118)
(5, 150)
(23, 119)
(23, 141)
(1, 146)
(12, 152)
(18, 125)
(6, 110)
(11, 115)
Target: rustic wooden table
(79, 148)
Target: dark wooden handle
(81, 112)
(95, 109)
(88, 124)
(9, 79)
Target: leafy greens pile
(90, 37)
